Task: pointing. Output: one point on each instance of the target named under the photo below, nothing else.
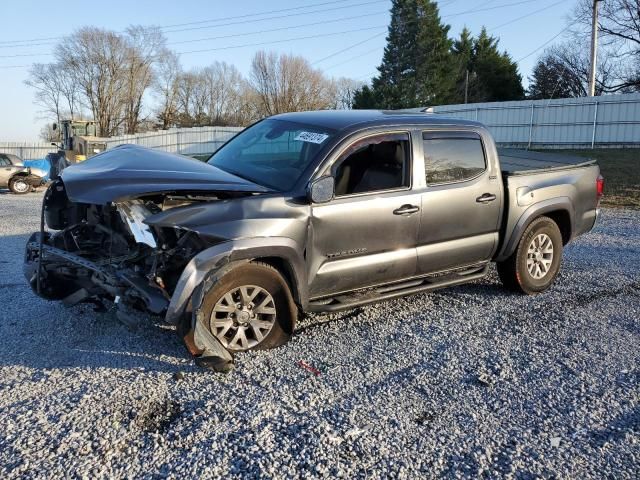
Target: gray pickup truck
(306, 212)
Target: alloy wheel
(243, 317)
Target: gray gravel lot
(467, 382)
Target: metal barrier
(611, 121)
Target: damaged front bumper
(42, 261)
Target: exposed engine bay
(107, 252)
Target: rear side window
(452, 158)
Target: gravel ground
(467, 382)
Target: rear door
(367, 234)
(461, 203)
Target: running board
(367, 297)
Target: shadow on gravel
(485, 289)
(627, 423)
(39, 334)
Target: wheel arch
(560, 210)
(280, 252)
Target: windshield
(273, 153)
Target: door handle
(406, 210)
(486, 198)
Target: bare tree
(563, 71)
(144, 48)
(57, 90)
(45, 80)
(224, 85)
(344, 90)
(97, 57)
(286, 83)
(112, 72)
(48, 134)
(619, 28)
(192, 98)
(166, 84)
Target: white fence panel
(27, 150)
(606, 121)
(186, 141)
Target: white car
(18, 178)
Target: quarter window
(452, 159)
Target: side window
(372, 164)
(452, 158)
(4, 162)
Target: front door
(6, 169)
(461, 204)
(366, 235)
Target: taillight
(600, 186)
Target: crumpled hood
(129, 171)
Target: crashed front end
(104, 248)
(107, 252)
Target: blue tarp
(42, 163)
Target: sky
(342, 38)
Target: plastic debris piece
(308, 367)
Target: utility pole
(594, 48)
(466, 87)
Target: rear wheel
(535, 264)
(19, 185)
(250, 307)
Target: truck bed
(519, 162)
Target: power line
(526, 15)
(279, 16)
(351, 59)
(21, 55)
(316, 36)
(546, 43)
(444, 16)
(283, 40)
(28, 43)
(313, 24)
(348, 48)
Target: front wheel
(535, 264)
(250, 307)
(19, 185)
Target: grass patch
(621, 171)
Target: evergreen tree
(466, 79)
(416, 66)
(365, 98)
(498, 76)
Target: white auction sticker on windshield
(311, 137)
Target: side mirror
(321, 191)
(54, 127)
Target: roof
(342, 119)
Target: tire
(245, 328)
(19, 185)
(534, 265)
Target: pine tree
(498, 76)
(416, 67)
(365, 98)
(466, 79)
